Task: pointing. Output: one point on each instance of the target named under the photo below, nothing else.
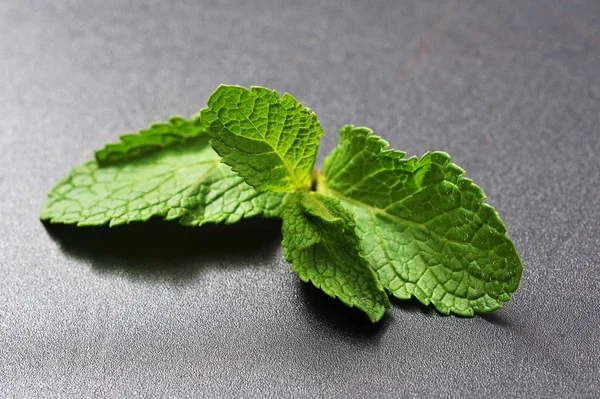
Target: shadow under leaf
(159, 249)
(413, 305)
(497, 318)
(335, 314)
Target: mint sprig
(377, 223)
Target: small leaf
(270, 141)
(158, 135)
(183, 181)
(320, 242)
(424, 227)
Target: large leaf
(424, 227)
(184, 180)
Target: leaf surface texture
(425, 228)
(270, 141)
(156, 136)
(184, 180)
(320, 242)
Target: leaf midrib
(383, 212)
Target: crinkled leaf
(184, 180)
(158, 135)
(270, 141)
(424, 227)
(320, 242)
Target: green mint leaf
(270, 141)
(320, 242)
(424, 227)
(183, 181)
(158, 135)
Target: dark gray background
(510, 89)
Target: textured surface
(184, 181)
(424, 226)
(319, 240)
(509, 88)
(270, 141)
